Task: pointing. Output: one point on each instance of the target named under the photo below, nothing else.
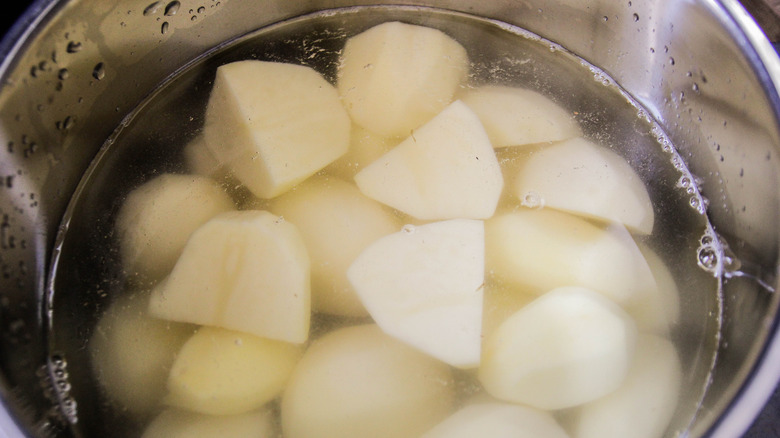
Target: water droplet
(164, 28)
(73, 47)
(605, 18)
(636, 17)
(671, 61)
(63, 74)
(34, 71)
(152, 8)
(194, 18)
(172, 8)
(695, 87)
(99, 72)
(666, 49)
(201, 10)
(652, 50)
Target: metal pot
(72, 70)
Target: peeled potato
(132, 353)
(568, 347)
(583, 178)
(423, 286)
(518, 117)
(545, 249)
(243, 270)
(644, 404)
(395, 76)
(158, 217)
(274, 124)
(224, 372)
(173, 423)
(364, 148)
(446, 170)
(498, 420)
(337, 223)
(357, 382)
(656, 311)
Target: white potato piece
(644, 404)
(174, 423)
(224, 372)
(131, 353)
(656, 312)
(158, 217)
(274, 124)
(395, 76)
(518, 116)
(358, 382)
(423, 286)
(568, 347)
(364, 148)
(243, 270)
(447, 169)
(199, 159)
(583, 178)
(498, 420)
(337, 222)
(544, 249)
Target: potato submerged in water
(357, 382)
(244, 270)
(395, 76)
(274, 124)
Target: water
(86, 274)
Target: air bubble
(63, 74)
(708, 258)
(201, 10)
(605, 18)
(671, 61)
(409, 229)
(172, 8)
(164, 28)
(532, 200)
(636, 17)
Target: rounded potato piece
(159, 216)
(395, 76)
(544, 249)
(337, 223)
(224, 372)
(274, 124)
(644, 404)
(173, 423)
(568, 347)
(132, 353)
(580, 177)
(498, 420)
(518, 117)
(357, 382)
(242, 270)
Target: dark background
(766, 13)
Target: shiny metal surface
(700, 67)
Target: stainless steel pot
(71, 70)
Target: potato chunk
(568, 347)
(337, 223)
(656, 311)
(243, 270)
(174, 423)
(446, 170)
(274, 124)
(518, 117)
(159, 216)
(545, 249)
(423, 286)
(498, 420)
(395, 76)
(224, 372)
(644, 404)
(583, 178)
(357, 382)
(132, 353)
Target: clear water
(86, 275)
